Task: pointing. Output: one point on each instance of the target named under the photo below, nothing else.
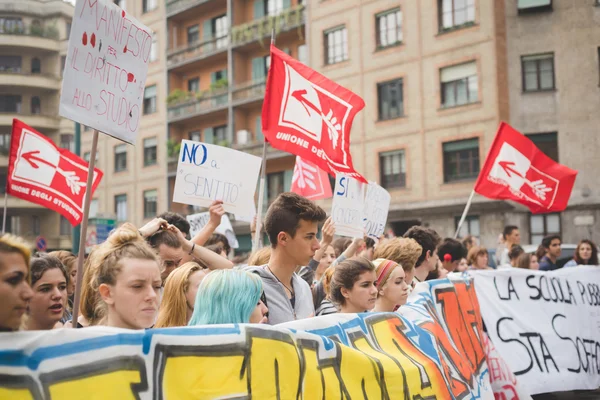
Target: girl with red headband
(392, 288)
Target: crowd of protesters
(158, 276)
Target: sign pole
(5, 205)
(84, 222)
(464, 214)
(261, 188)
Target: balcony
(249, 92)
(195, 52)
(255, 148)
(27, 79)
(175, 7)
(32, 36)
(37, 121)
(201, 104)
(261, 28)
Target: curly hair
(404, 251)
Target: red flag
(308, 115)
(515, 169)
(310, 181)
(44, 174)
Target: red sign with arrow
(42, 173)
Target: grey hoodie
(280, 307)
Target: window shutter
(259, 9)
(287, 179)
(457, 72)
(207, 30)
(258, 68)
(209, 136)
(259, 135)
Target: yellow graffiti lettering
(274, 367)
(15, 394)
(312, 385)
(113, 385)
(421, 374)
(361, 382)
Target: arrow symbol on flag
(72, 179)
(539, 187)
(332, 124)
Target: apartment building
(134, 185)
(217, 63)
(33, 45)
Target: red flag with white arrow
(515, 169)
(42, 173)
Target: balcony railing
(261, 28)
(196, 51)
(216, 100)
(249, 91)
(12, 28)
(176, 6)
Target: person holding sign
(353, 285)
(392, 289)
(291, 224)
(15, 291)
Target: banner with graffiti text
(432, 349)
(545, 325)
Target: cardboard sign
(377, 205)
(544, 324)
(105, 70)
(208, 172)
(347, 209)
(198, 221)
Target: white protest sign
(348, 208)
(105, 69)
(250, 217)
(198, 221)
(377, 205)
(544, 324)
(207, 172)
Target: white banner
(208, 172)
(377, 205)
(105, 69)
(347, 208)
(198, 221)
(545, 325)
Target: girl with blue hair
(229, 297)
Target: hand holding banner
(208, 172)
(348, 207)
(377, 205)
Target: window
(392, 169)
(543, 225)
(15, 225)
(303, 54)
(461, 160)
(4, 143)
(87, 156)
(10, 103)
(220, 134)
(455, 13)
(35, 224)
(220, 30)
(36, 105)
(149, 151)
(274, 186)
(36, 66)
(121, 207)
(389, 28)
(336, 45)
(469, 227)
(10, 63)
(459, 84)
(65, 227)
(120, 157)
(193, 34)
(67, 141)
(149, 5)
(273, 7)
(195, 136)
(534, 5)
(11, 25)
(194, 85)
(150, 203)
(150, 99)
(538, 72)
(154, 48)
(68, 30)
(2, 183)
(547, 143)
(389, 99)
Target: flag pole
(464, 214)
(261, 188)
(5, 206)
(84, 223)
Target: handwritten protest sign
(208, 172)
(348, 208)
(198, 221)
(377, 205)
(545, 325)
(105, 69)
(431, 349)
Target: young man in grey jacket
(292, 223)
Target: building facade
(33, 45)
